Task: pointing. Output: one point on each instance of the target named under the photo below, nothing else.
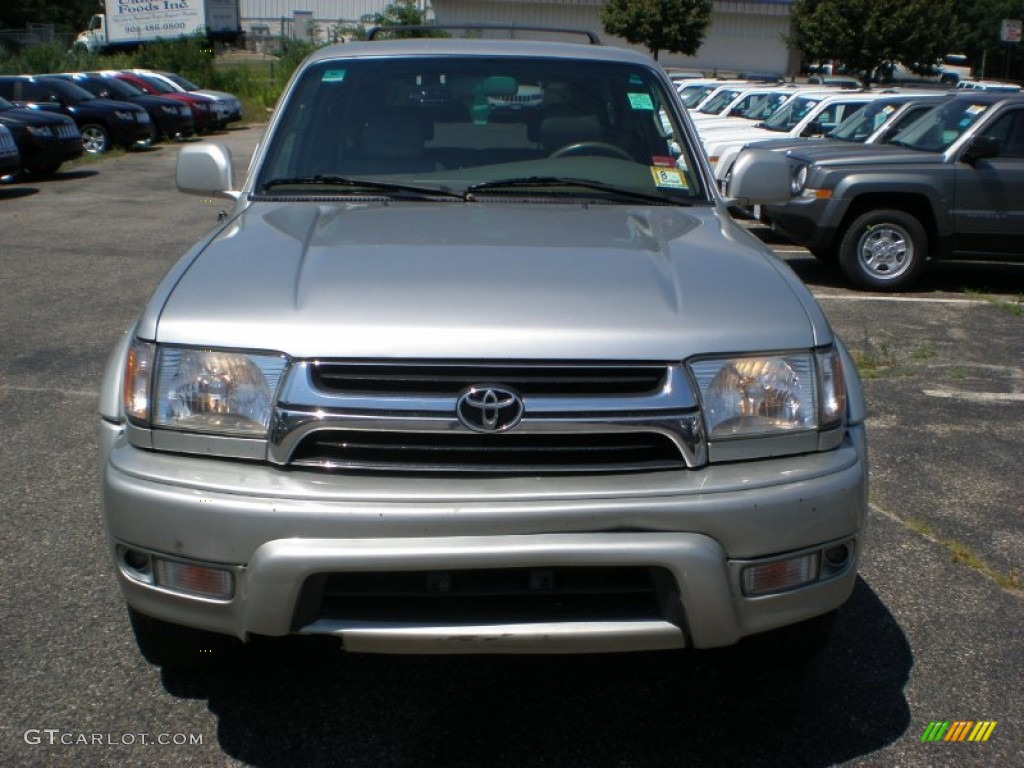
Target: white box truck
(129, 23)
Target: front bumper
(810, 222)
(174, 125)
(278, 531)
(125, 133)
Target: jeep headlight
(760, 395)
(202, 390)
(799, 180)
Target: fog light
(137, 561)
(780, 575)
(194, 579)
(836, 557)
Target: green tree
(66, 15)
(978, 26)
(677, 26)
(867, 35)
(405, 13)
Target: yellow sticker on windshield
(668, 177)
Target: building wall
(744, 35)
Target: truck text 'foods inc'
(128, 23)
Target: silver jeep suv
(480, 363)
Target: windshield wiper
(370, 185)
(542, 182)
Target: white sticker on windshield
(668, 177)
(333, 76)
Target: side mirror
(206, 169)
(759, 177)
(980, 148)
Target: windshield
(758, 106)
(692, 95)
(156, 84)
(865, 121)
(719, 101)
(937, 129)
(786, 118)
(188, 86)
(116, 87)
(5, 104)
(493, 126)
(69, 92)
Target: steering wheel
(592, 148)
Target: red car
(202, 112)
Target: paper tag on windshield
(668, 177)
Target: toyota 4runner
(479, 362)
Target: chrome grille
(66, 131)
(403, 417)
(504, 453)
(600, 379)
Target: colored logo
(958, 730)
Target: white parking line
(976, 397)
(896, 299)
(51, 391)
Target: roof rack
(592, 38)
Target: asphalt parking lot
(932, 632)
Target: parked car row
(950, 185)
(882, 181)
(53, 118)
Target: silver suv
(480, 363)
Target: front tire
(95, 139)
(179, 648)
(883, 250)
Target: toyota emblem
(489, 409)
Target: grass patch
(873, 359)
(962, 555)
(925, 351)
(1013, 306)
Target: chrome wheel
(883, 250)
(886, 251)
(95, 139)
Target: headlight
(124, 115)
(40, 130)
(799, 180)
(167, 109)
(202, 390)
(760, 395)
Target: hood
(20, 116)
(216, 95)
(846, 154)
(494, 280)
(105, 106)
